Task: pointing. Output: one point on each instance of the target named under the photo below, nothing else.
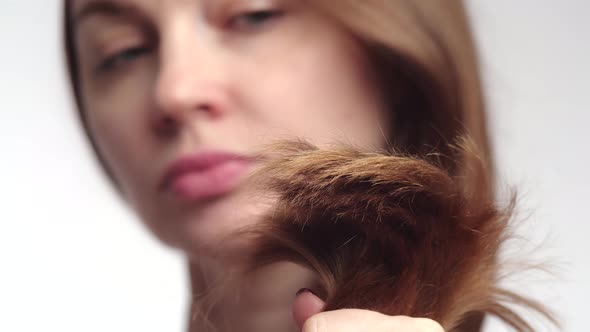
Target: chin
(217, 227)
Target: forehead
(77, 6)
(80, 10)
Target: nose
(190, 85)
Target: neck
(226, 299)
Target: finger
(306, 304)
(354, 320)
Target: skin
(163, 78)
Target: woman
(178, 96)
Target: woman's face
(180, 94)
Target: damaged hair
(390, 233)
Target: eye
(254, 19)
(122, 58)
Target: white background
(72, 258)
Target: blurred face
(180, 94)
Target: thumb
(306, 304)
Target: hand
(307, 312)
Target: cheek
(118, 122)
(323, 92)
(128, 149)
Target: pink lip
(204, 175)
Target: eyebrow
(107, 8)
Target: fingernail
(303, 290)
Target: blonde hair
(426, 54)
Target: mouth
(205, 175)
